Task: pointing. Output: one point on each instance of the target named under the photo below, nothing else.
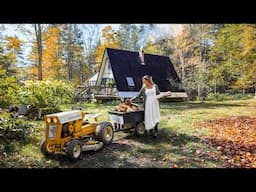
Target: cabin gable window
(130, 81)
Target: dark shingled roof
(127, 64)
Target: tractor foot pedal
(92, 146)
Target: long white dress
(152, 111)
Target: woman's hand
(129, 100)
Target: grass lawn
(178, 144)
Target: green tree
(129, 36)
(233, 56)
(73, 53)
(8, 88)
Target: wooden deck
(100, 97)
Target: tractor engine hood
(68, 116)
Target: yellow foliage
(107, 40)
(51, 58)
(153, 48)
(248, 39)
(13, 43)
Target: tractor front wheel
(74, 150)
(105, 132)
(43, 148)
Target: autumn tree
(10, 51)
(50, 51)
(248, 56)
(36, 54)
(108, 39)
(52, 56)
(191, 47)
(62, 53)
(152, 48)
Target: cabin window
(108, 64)
(130, 81)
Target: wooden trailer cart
(128, 120)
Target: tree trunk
(38, 33)
(255, 92)
(81, 72)
(182, 61)
(69, 61)
(199, 92)
(215, 88)
(243, 92)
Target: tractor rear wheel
(74, 150)
(43, 148)
(105, 132)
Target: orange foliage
(51, 53)
(235, 138)
(13, 43)
(33, 56)
(51, 58)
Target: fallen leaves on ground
(235, 138)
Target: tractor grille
(52, 130)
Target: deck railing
(103, 90)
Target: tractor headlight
(52, 130)
(55, 120)
(48, 120)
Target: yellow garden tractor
(71, 133)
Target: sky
(172, 29)
(160, 30)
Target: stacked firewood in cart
(127, 106)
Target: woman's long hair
(148, 78)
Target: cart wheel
(140, 129)
(105, 132)
(74, 150)
(44, 150)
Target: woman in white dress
(149, 91)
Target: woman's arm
(138, 95)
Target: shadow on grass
(173, 144)
(123, 153)
(131, 151)
(111, 156)
(165, 136)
